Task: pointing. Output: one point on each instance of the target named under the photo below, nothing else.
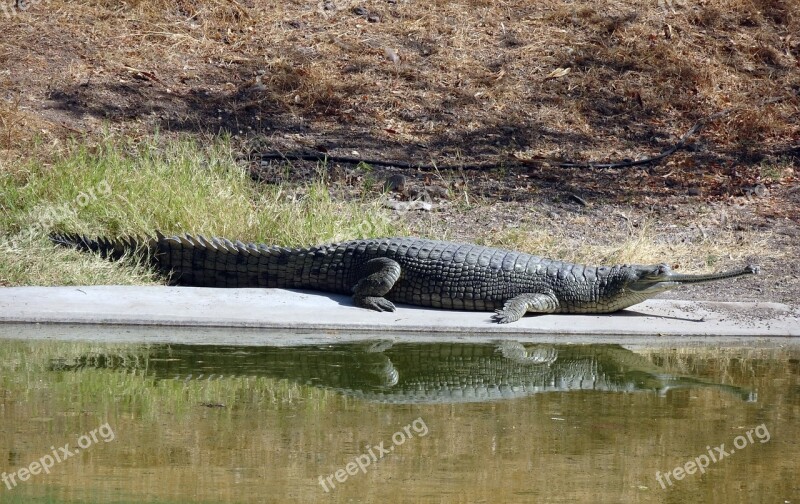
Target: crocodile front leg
(517, 306)
(516, 351)
(380, 274)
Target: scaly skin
(415, 271)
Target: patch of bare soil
(522, 86)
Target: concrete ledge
(295, 311)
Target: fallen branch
(322, 157)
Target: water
(398, 422)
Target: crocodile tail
(113, 249)
(215, 262)
(218, 262)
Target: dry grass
(639, 239)
(466, 70)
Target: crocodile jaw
(650, 280)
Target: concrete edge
(245, 336)
(284, 311)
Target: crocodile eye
(663, 269)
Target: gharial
(416, 271)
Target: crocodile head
(650, 280)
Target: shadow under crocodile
(415, 372)
(344, 300)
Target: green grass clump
(121, 188)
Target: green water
(398, 422)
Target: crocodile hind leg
(380, 274)
(517, 306)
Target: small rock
(256, 86)
(418, 193)
(328, 5)
(437, 191)
(360, 11)
(391, 54)
(374, 18)
(420, 205)
(407, 206)
(396, 183)
(694, 191)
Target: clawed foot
(380, 304)
(504, 317)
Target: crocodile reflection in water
(420, 372)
